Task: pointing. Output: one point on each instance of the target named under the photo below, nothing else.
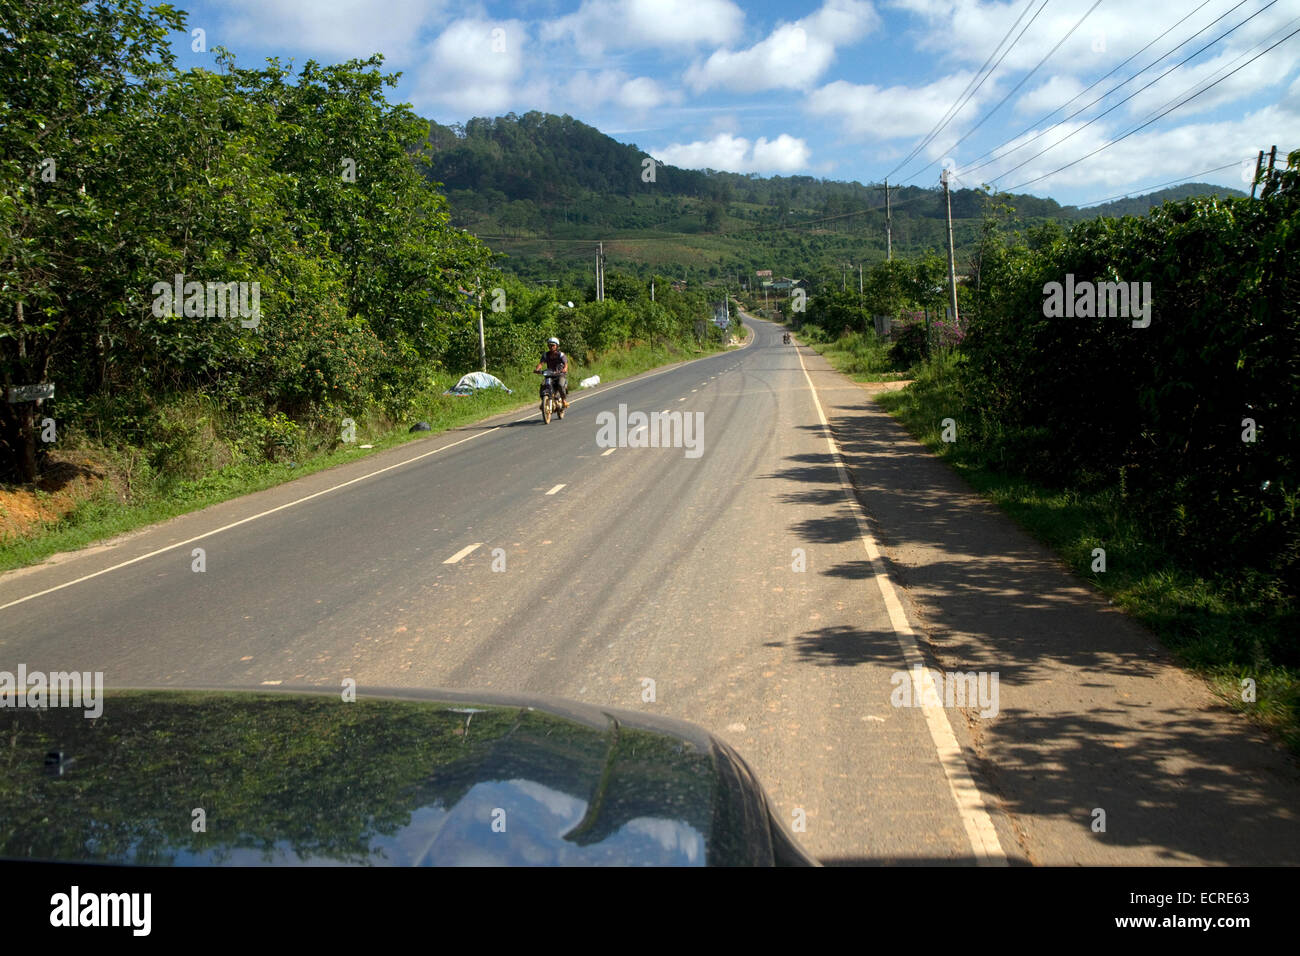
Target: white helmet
(552, 341)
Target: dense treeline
(121, 173)
(136, 199)
(1191, 418)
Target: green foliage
(1157, 411)
(910, 345)
(236, 176)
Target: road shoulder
(1094, 715)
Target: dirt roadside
(1096, 723)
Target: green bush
(1095, 401)
(909, 345)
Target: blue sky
(840, 89)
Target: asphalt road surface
(737, 584)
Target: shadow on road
(1094, 715)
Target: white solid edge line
(555, 489)
(467, 550)
(242, 521)
(970, 803)
(317, 494)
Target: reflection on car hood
(404, 778)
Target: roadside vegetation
(1173, 447)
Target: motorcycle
(786, 338)
(550, 395)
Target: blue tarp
(471, 383)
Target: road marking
(610, 452)
(555, 489)
(463, 552)
(272, 683)
(683, 398)
(694, 390)
(243, 521)
(971, 806)
(326, 491)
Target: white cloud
(642, 93)
(1051, 95)
(335, 28)
(880, 114)
(587, 90)
(1249, 80)
(785, 154)
(966, 32)
(647, 24)
(473, 66)
(793, 56)
(1183, 151)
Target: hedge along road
(736, 581)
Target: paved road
(738, 577)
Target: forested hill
(554, 164)
(1141, 205)
(541, 157)
(536, 173)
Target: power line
(1226, 66)
(1147, 189)
(1116, 106)
(970, 167)
(963, 97)
(1023, 80)
(1153, 120)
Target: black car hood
(393, 778)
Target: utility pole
(859, 283)
(600, 273)
(952, 267)
(482, 344)
(889, 226)
(1259, 167)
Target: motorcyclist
(553, 360)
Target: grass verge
(1226, 628)
(863, 356)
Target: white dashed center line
(467, 550)
(604, 453)
(555, 489)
